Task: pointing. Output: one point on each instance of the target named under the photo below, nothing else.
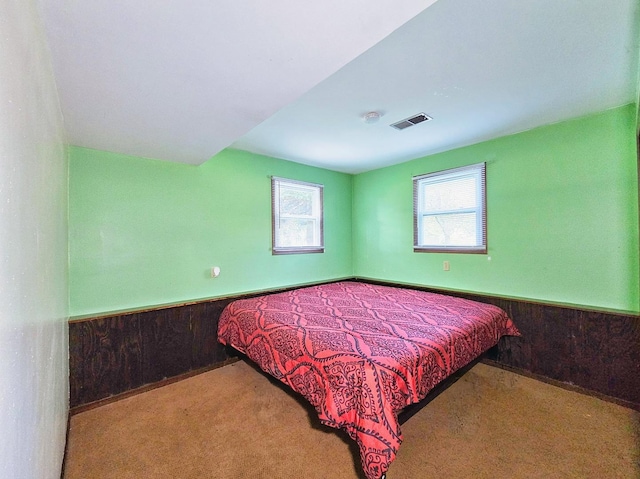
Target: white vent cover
(413, 120)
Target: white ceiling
(181, 80)
(292, 79)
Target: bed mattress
(360, 353)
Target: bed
(360, 352)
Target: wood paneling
(167, 342)
(112, 355)
(109, 359)
(205, 349)
(594, 350)
(597, 351)
(76, 364)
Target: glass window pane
(297, 217)
(296, 232)
(457, 229)
(296, 201)
(449, 195)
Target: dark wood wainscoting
(596, 351)
(112, 356)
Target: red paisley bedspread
(359, 353)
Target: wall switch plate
(445, 265)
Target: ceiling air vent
(414, 120)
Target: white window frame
(478, 172)
(317, 216)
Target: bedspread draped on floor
(360, 352)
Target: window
(449, 211)
(297, 216)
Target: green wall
(562, 205)
(146, 232)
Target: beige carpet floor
(235, 423)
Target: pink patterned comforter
(359, 353)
